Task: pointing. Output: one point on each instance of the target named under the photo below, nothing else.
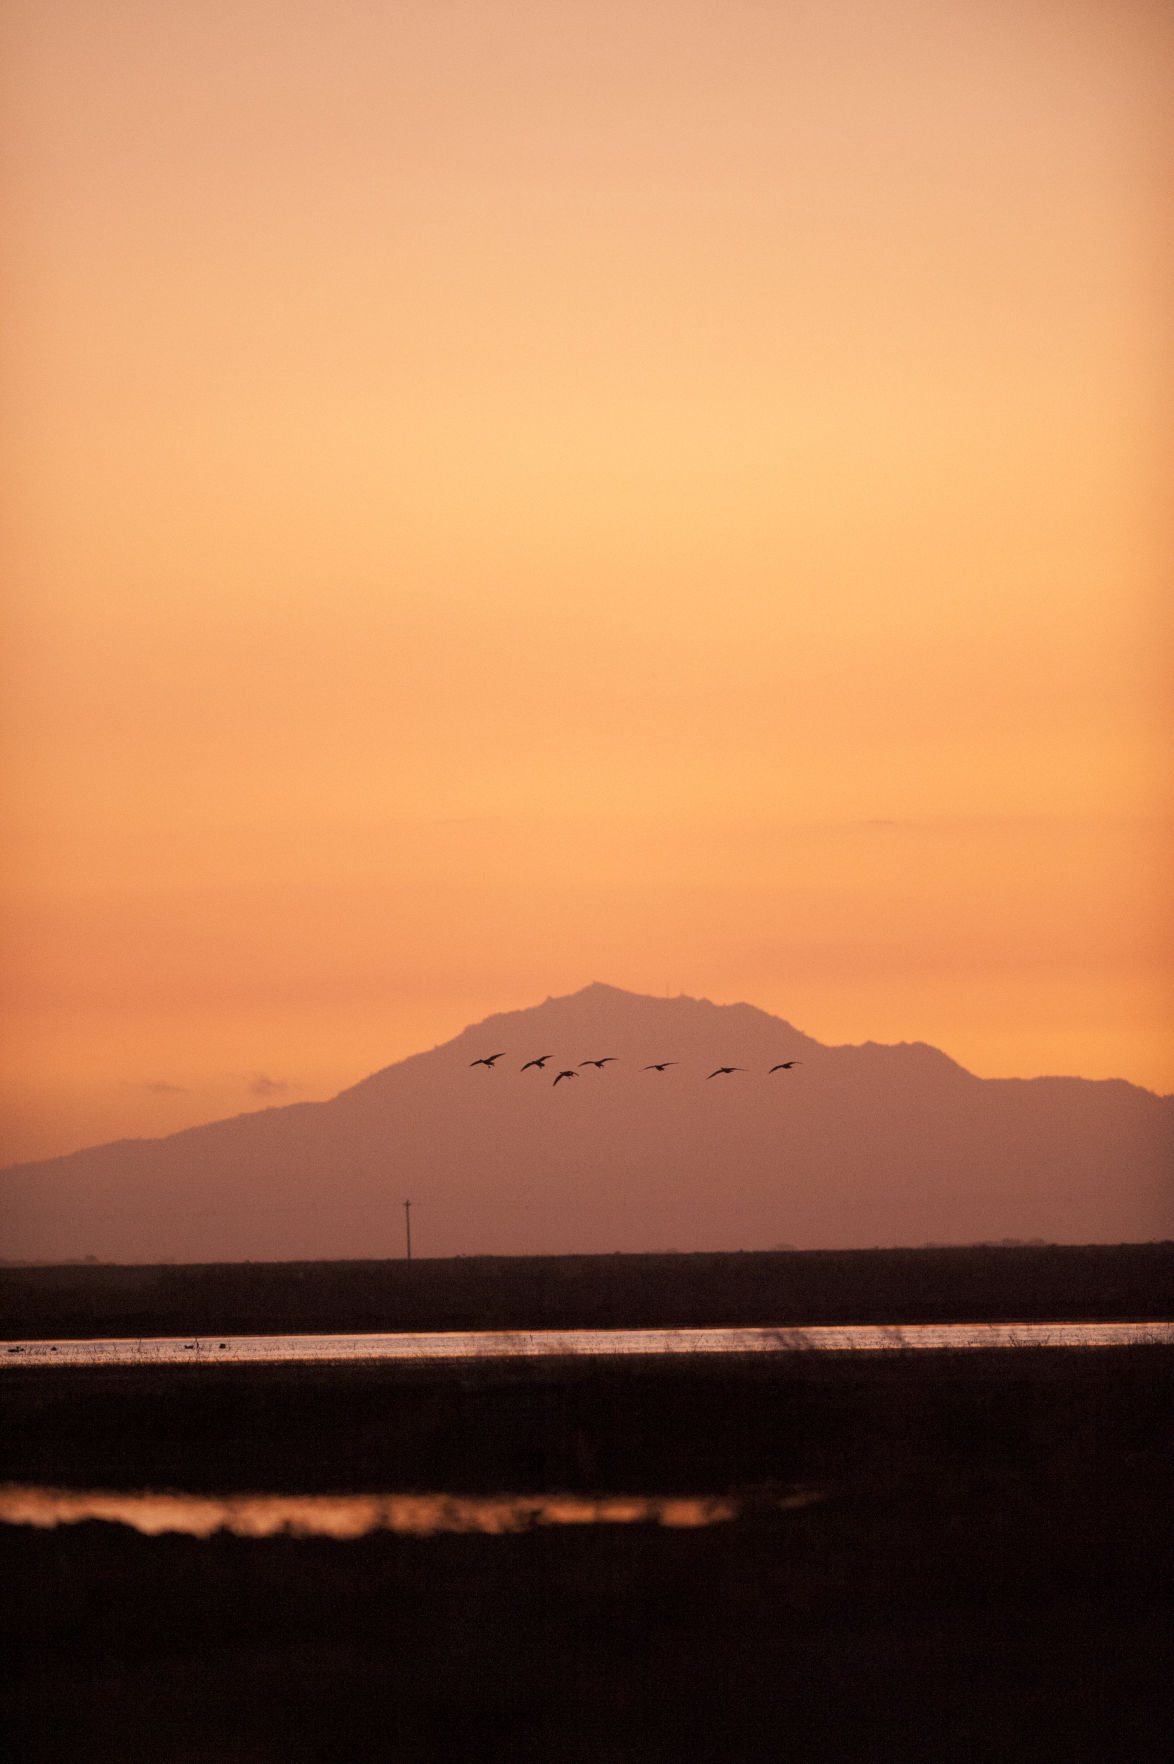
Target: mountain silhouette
(853, 1147)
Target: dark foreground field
(987, 1575)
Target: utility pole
(408, 1226)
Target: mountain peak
(638, 1018)
(823, 1147)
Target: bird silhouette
(661, 1067)
(540, 1063)
(563, 1075)
(723, 1069)
(607, 1060)
(488, 1061)
(785, 1066)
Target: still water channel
(345, 1516)
(504, 1344)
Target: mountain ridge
(857, 1145)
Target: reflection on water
(347, 1516)
(556, 1343)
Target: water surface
(555, 1343)
(347, 1516)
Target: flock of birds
(490, 1061)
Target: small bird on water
(563, 1075)
(488, 1061)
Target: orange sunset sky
(506, 493)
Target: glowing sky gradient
(504, 494)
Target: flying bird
(723, 1069)
(785, 1066)
(607, 1060)
(563, 1075)
(488, 1061)
(540, 1063)
(661, 1067)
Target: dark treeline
(977, 1283)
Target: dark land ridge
(975, 1284)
